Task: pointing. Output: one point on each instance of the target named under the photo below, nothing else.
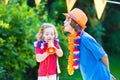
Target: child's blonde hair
(39, 35)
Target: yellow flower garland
(71, 55)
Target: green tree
(18, 23)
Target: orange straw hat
(78, 16)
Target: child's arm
(59, 52)
(105, 61)
(41, 57)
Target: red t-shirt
(49, 65)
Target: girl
(48, 62)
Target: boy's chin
(66, 30)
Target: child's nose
(64, 21)
(49, 37)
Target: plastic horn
(51, 49)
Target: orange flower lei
(71, 55)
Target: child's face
(67, 26)
(48, 34)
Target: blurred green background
(20, 21)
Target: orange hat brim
(82, 26)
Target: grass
(114, 61)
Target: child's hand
(113, 78)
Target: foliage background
(20, 21)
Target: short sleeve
(56, 43)
(91, 44)
(38, 50)
(41, 47)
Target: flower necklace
(74, 56)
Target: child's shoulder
(56, 39)
(38, 43)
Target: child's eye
(47, 34)
(52, 34)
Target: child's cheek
(45, 38)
